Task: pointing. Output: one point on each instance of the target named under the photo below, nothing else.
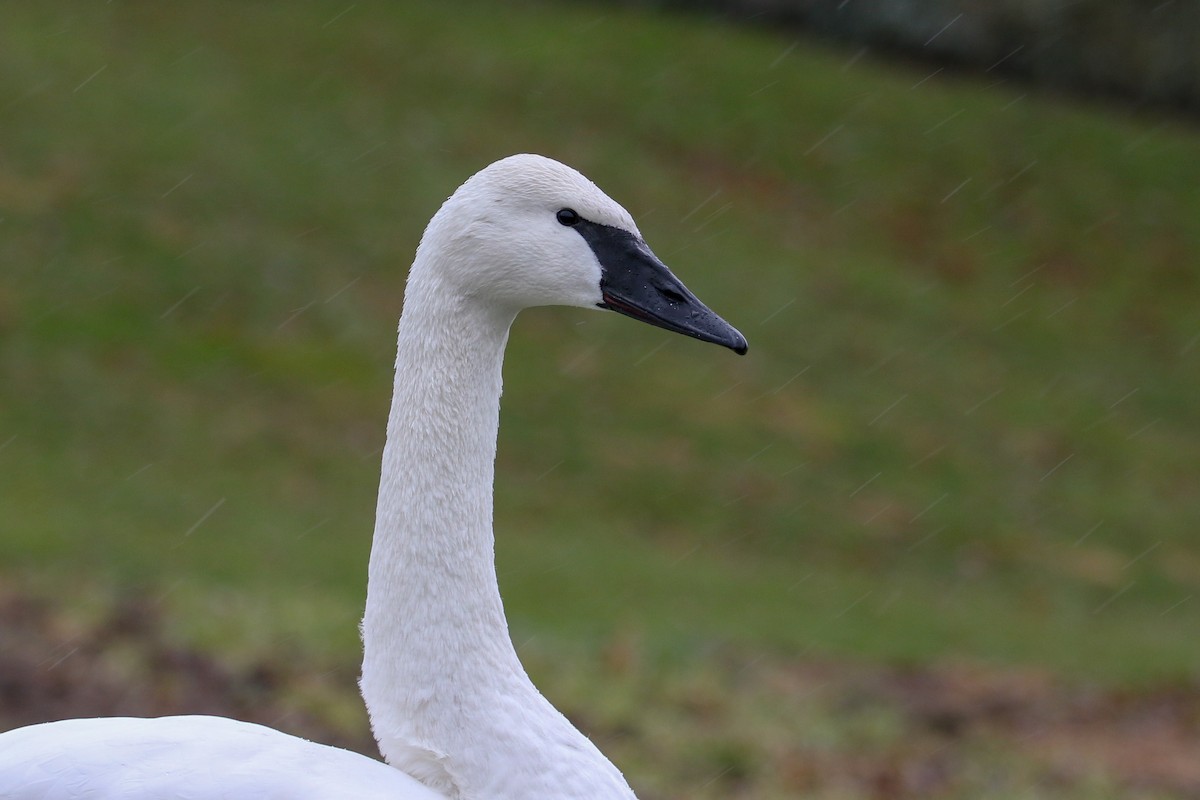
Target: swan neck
(432, 563)
(448, 698)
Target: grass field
(966, 431)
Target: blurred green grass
(967, 425)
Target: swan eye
(568, 216)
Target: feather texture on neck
(448, 698)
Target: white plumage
(453, 711)
(188, 758)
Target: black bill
(635, 283)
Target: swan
(454, 713)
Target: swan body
(188, 758)
(453, 711)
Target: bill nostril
(671, 295)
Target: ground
(820, 728)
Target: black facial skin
(635, 283)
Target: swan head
(528, 231)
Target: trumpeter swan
(453, 711)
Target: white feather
(187, 758)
